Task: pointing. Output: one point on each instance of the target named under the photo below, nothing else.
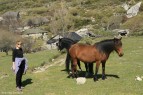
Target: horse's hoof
(95, 79)
(86, 75)
(76, 75)
(69, 72)
(68, 76)
(104, 77)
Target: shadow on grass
(108, 75)
(82, 74)
(27, 81)
(64, 70)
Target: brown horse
(99, 53)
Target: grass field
(121, 73)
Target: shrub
(7, 40)
(87, 40)
(27, 3)
(39, 10)
(27, 45)
(81, 21)
(43, 63)
(141, 7)
(74, 11)
(137, 33)
(102, 32)
(134, 24)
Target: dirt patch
(3, 75)
(58, 62)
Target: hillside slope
(75, 14)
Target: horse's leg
(74, 68)
(87, 69)
(86, 66)
(103, 71)
(96, 71)
(91, 68)
(67, 62)
(78, 63)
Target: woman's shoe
(22, 87)
(18, 89)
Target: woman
(19, 64)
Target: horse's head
(118, 46)
(60, 44)
(65, 43)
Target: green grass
(54, 82)
(34, 59)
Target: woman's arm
(13, 59)
(13, 55)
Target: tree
(114, 22)
(7, 40)
(27, 45)
(61, 20)
(11, 20)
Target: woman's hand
(13, 66)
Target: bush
(102, 32)
(81, 22)
(137, 33)
(134, 24)
(39, 10)
(7, 40)
(141, 7)
(27, 45)
(28, 3)
(74, 11)
(87, 40)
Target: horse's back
(84, 52)
(81, 47)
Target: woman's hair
(18, 42)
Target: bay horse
(67, 43)
(99, 53)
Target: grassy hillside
(81, 13)
(121, 73)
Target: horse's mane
(104, 41)
(105, 46)
(68, 41)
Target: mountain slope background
(71, 15)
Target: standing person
(19, 64)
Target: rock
(81, 80)
(53, 60)
(122, 32)
(133, 11)
(138, 78)
(125, 6)
(1, 18)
